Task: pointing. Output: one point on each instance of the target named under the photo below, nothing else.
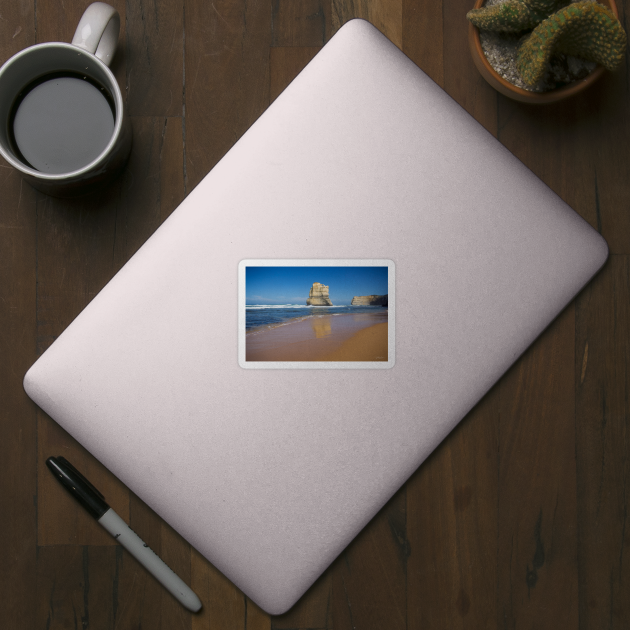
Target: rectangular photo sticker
(316, 314)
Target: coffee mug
(62, 114)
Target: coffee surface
(62, 124)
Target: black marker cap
(78, 486)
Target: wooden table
(518, 520)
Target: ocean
(272, 315)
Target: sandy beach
(344, 337)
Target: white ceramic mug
(88, 57)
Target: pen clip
(62, 460)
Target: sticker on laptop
(316, 314)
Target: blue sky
(291, 285)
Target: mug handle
(98, 30)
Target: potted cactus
(558, 49)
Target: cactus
(584, 29)
(513, 16)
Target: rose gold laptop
(271, 467)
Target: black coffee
(61, 123)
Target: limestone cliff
(318, 296)
(369, 300)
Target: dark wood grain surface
(518, 520)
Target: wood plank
(18, 415)
(312, 611)
(574, 149)
(603, 469)
(285, 64)
(171, 159)
(300, 22)
(154, 57)
(558, 147)
(255, 617)
(423, 36)
(537, 537)
(461, 78)
(224, 606)
(566, 149)
(57, 23)
(226, 78)
(452, 527)
(135, 597)
(369, 577)
(17, 28)
(608, 127)
(386, 15)
(152, 185)
(74, 248)
(76, 587)
(18, 423)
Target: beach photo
(315, 313)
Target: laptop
(268, 430)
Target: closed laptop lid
(363, 161)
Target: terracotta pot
(518, 94)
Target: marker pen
(94, 502)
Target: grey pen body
(149, 559)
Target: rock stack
(369, 300)
(318, 296)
